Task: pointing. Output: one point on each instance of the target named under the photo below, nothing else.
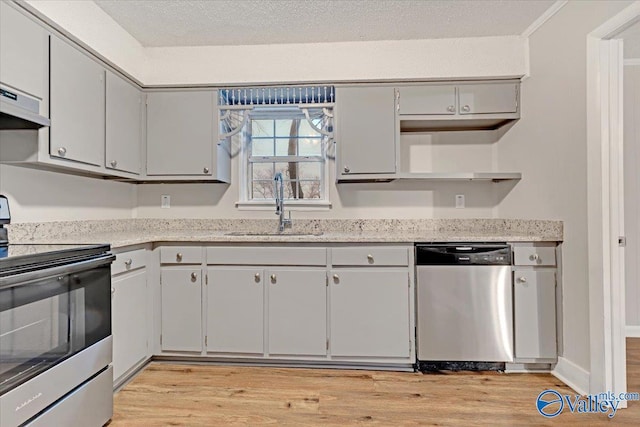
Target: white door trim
(605, 203)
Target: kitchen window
(277, 134)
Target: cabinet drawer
(380, 256)
(180, 255)
(536, 254)
(265, 255)
(129, 261)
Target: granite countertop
(127, 232)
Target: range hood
(19, 111)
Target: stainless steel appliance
(55, 335)
(20, 111)
(464, 305)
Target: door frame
(605, 205)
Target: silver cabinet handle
(113, 290)
(62, 151)
(114, 163)
(466, 108)
(205, 170)
(179, 257)
(336, 278)
(534, 257)
(274, 279)
(346, 169)
(128, 262)
(370, 258)
(257, 277)
(194, 277)
(451, 108)
(522, 279)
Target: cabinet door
(123, 125)
(129, 321)
(23, 52)
(535, 314)
(181, 133)
(365, 120)
(488, 98)
(427, 100)
(77, 105)
(297, 311)
(370, 312)
(235, 301)
(181, 309)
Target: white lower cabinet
(129, 321)
(370, 313)
(235, 315)
(297, 311)
(236, 303)
(534, 308)
(287, 303)
(181, 309)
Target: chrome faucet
(279, 189)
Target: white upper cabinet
(488, 98)
(23, 52)
(366, 131)
(77, 105)
(123, 125)
(182, 131)
(437, 99)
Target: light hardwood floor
(197, 395)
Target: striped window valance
(277, 95)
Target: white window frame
(244, 201)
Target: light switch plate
(459, 201)
(165, 201)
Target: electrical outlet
(165, 201)
(459, 201)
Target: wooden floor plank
(205, 395)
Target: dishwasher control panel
(463, 254)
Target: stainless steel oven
(55, 335)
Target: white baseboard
(572, 375)
(632, 331)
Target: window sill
(319, 205)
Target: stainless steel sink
(258, 234)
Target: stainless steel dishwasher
(464, 306)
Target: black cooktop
(22, 256)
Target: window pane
(307, 130)
(262, 147)
(309, 170)
(284, 149)
(310, 190)
(262, 127)
(283, 127)
(310, 147)
(263, 171)
(262, 190)
(283, 168)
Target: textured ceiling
(248, 22)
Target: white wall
(86, 22)
(632, 191)
(37, 196)
(379, 200)
(549, 146)
(481, 57)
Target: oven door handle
(62, 270)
